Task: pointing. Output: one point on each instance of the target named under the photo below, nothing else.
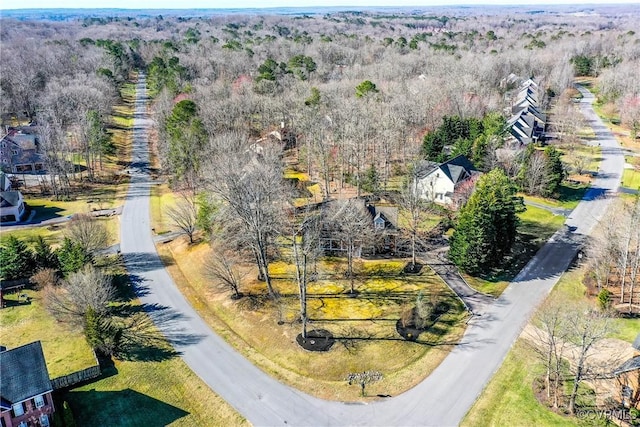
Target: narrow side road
(441, 400)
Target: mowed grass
(508, 400)
(631, 179)
(65, 349)
(150, 393)
(265, 330)
(54, 234)
(539, 222)
(161, 199)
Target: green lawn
(631, 179)
(508, 400)
(150, 393)
(539, 222)
(65, 350)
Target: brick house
(25, 388)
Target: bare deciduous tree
(364, 378)
(584, 329)
(90, 232)
(184, 214)
(224, 268)
(351, 224)
(249, 180)
(305, 239)
(87, 288)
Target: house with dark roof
(25, 388)
(445, 183)
(20, 153)
(527, 122)
(628, 378)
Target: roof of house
(389, 214)
(9, 199)
(630, 365)
(24, 373)
(456, 169)
(527, 108)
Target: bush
(45, 277)
(605, 299)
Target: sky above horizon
(225, 4)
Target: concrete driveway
(441, 400)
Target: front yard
(265, 330)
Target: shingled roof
(632, 364)
(24, 373)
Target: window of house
(39, 400)
(22, 424)
(14, 152)
(44, 420)
(18, 409)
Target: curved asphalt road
(441, 400)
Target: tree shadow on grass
(121, 408)
(152, 332)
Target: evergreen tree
(16, 259)
(554, 170)
(43, 256)
(72, 256)
(487, 225)
(187, 138)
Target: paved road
(441, 400)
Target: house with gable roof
(446, 182)
(25, 388)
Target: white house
(11, 206)
(445, 183)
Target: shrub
(605, 299)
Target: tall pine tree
(487, 225)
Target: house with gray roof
(444, 183)
(20, 153)
(25, 388)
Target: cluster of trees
(473, 137)
(75, 290)
(614, 257)
(564, 338)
